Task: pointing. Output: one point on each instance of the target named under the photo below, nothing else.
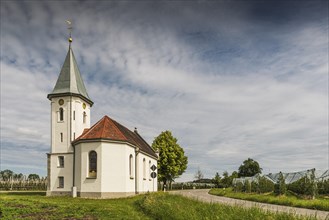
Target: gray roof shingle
(70, 81)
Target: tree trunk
(164, 184)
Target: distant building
(106, 160)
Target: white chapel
(105, 160)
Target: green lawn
(34, 205)
(38, 206)
(320, 203)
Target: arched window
(144, 169)
(84, 117)
(61, 137)
(131, 166)
(61, 114)
(92, 164)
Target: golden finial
(69, 23)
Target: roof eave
(76, 142)
(145, 142)
(53, 95)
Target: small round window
(84, 105)
(61, 102)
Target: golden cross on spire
(69, 24)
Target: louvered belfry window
(61, 114)
(84, 117)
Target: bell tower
(70, 115)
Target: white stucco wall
(82, 181)
(58, 127)
(115, 172)
(70, 126)
(77, 125)
(75, 122)
(112, 169)
(66, 172)
(145, 181)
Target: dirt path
(202, 195)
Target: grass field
(34, 205)
(320, 203)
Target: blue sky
(230, 79)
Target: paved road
(202, 195)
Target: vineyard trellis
(23, 183)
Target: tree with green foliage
(247, 184)
(265, 185)
(33, 176)
(313, 188)
(6, 174)
(227, 179)
(323, 187)
(306, 185)
(172, 162)
(18, 176)
(249, 168)
(239, 187)
(198, 175)
(254, 186)
(234, 175)
(280, 187)
(217, 180)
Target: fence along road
(202, 195)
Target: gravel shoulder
(202, 195)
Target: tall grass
(148, 206)
(168, 206)
(320, 203)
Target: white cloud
(225, 88)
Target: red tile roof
(109, 129)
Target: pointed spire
(70, 81)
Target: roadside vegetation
(35, 205)
(288, 199)
(164, 206)
(172, 160)
(305, 191)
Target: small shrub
(265, 185)
(254, 187)
(280, 187)
(239, 187)
(323, 187)
(307, 186)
